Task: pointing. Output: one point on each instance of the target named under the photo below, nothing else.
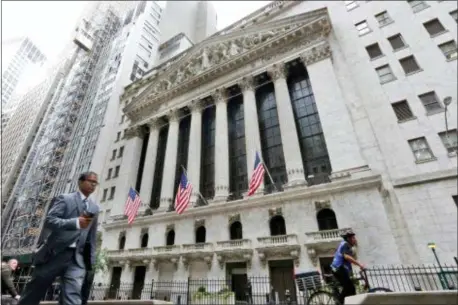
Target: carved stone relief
(322, 204)
(134, 131)
(174, 115)
(219, 95)
(199, 223)
(196, 105)
(277, 71)
(275, 212)
(233, 218)
(169, 228)
(316, 54)
(247, 83)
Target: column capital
(134, 131)
(246, 83)
(277, 71)
(196, 105)
(153, 123)
(219, 95)
(173, 115)
(316, 54)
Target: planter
(227, 298)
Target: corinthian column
(150, 163)
(252, 137)
(221, 148)
(168, 179)
(290, 140)
(129, 168)
(195, 144)
(341, 141)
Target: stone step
(119, 302)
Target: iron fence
(263, 290)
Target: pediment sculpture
(221, 54)
(213, 55)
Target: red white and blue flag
(183, 196)
(133, 203)
(257, 176)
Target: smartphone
(89, 214)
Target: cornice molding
(266, 201)
(223, 54)
(134, 131)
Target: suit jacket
(61, 222)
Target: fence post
(188, 295)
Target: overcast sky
(50, 23)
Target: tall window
(237, 152)
(141, 162)
(182, 153)
(159, 167)
(271, 142)
(207, 170)
(314, 153)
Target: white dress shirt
(77, 219)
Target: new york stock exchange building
(294, 82)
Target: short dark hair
(85, 175)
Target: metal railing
(241, 289)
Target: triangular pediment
(218, 54)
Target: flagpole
(267, 170)
(198, 192)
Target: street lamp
(442, 276)
(447, 101)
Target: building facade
(23, 53)
(23, 126)
(343, 100)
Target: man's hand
(84, 221)
(362, 266)
(17, 297)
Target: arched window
(326, 219)
(277, 226)
(122, 241)
(144, 241)
(200, 234)
(235, 230)
(170, 240)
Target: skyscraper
(196, 19)
(36, 184)
(17, 55)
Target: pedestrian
(69, 249)
(9, 292)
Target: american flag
(257, 176)
(183, 194)
(133, 203)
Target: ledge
(258, 202)
(425, 178)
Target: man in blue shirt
(341, 265)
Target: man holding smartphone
(69, 249)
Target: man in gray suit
(69, 249)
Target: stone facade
(395, 204)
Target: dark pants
(348, 288)
(87, 286)
(64, 265)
